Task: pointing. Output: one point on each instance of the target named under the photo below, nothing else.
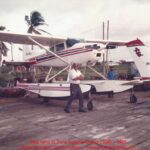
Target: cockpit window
(71, 42)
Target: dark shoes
(82, 110)
(66, 110)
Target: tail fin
(141, 56)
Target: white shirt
(73, 74)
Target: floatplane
(40, 48)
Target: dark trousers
(76, 92)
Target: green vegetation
(7, 75)
(38, 74)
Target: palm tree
(34, 21)
(3, 47)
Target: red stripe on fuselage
(61, 54)
(35, 87)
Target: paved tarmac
(114, 124)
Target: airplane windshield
(71, 42)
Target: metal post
(98, 73)
(103, 37)
(103, 30)
(107, 29)
(12, 57)
(106, 64)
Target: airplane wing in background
(113, 43)
(110, 43)
(24, 39)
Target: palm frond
(27, 20)
(36, 18)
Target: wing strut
(47, 79)
(98, 73)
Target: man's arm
(81, 77)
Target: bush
(6, 75)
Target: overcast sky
(129, 19)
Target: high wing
(51, 40)
(24, 39)
(113, 43)
(136, 42)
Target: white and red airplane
(62, 52)
(47, 50)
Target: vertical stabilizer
(141, 56)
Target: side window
(51, 49)
(60, 47)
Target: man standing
(74, 77)
(111, 74)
